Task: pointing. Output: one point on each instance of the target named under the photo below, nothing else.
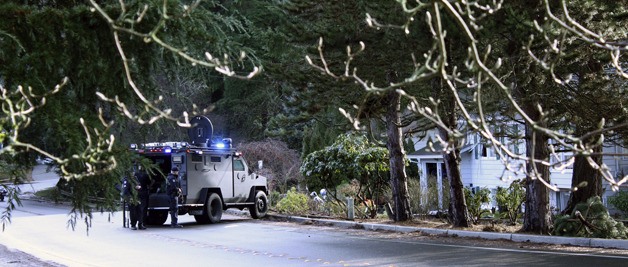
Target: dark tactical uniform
(174, 190)
(137, 210)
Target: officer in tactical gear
(174, 191)
(137, 209)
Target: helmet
(175, 169)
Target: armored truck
(213, 175)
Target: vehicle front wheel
(260, 207)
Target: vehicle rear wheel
(260, 208)
(212, 212)
(156, 217)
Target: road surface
(43, 231)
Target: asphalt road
(240, 241)
(42, 232)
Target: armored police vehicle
(213, 175)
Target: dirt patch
(450, 240)
(497, 226)
(435, 223)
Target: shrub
(356, 191)
(590, 219)
(431, 194)
(509, 200)
(274, 198)
(475, 200)
(620, 202)
(281, 164)
(293, 203)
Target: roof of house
(435, 151)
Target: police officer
(138, 209)
(174, 191)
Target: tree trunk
(398, 178)
(585, 180)
(458, 211)
(537, 217)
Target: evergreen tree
(117, 62)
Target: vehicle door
(241, 180)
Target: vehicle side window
(197, 158)
(238, 165)
(211, 159)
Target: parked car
(46, 160)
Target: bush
(620, 202)
(431, 194)
(293, 203)
(356, 191)
(590, 219)
(475, 201)
(274, 198)
(509, 200)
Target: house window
(488, 151)
(515, 147)
(514, 141)
(566, 157)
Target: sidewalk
(540, 239)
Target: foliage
(44, 41)
(274, 198)
(620, 201)
(115, 64)
(51, 194)
(475, 200)
(293, 203)
(281, 164)
(335, 208)
(468, 51)
(351, 157)
(247, 108)
(509, 200)
(11, 173)
(430, 195)
(590, 219)
(319, 135)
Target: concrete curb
(541, 239)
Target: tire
(212, 212)
(260, 208)
(156, 217)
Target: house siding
(488, 171)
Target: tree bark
(537, 217)
(585, 180)
(398, 177)
(458, 211)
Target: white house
(481, 167)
